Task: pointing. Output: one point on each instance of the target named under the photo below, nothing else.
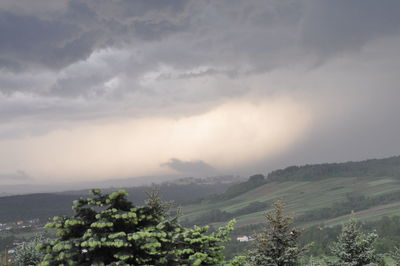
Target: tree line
(107, 229)
(368, 168)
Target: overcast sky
(99, 89)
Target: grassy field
(304, 196)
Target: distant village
(17, 228)
(21, 225)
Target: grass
(304, 196)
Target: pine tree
(354, 248)
(109, 230)
(395, 254)
(277, 244)
(27, 253)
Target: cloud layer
(76, 76)
(232, 134)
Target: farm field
(304, 196)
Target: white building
(242, 238)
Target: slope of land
(46, 205)
(314, 194)
(323, 193)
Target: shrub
(109, 230)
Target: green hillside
(46, 205)
(315, 194)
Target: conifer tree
(109, 230)
(395, 254)
(354, 248)
(277, 244)
(27, 253)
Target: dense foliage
(277, 244)
(354, 248)
(27, 253)
(238, 189)
(6, 241)
(47, 205)
(353, 202)
(395, 254)
(180, 193)
(388, 229)
(109, 230)
(376, 167)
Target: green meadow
(304, 196)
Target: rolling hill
(315, 194)
(46, 205)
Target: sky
(97, 89)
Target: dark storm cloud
(84, 60)
(368, 133)
(261, 33)
(230, 38)
(190, 167)
(50, 51)
(27, 39)
(335, 26)
(70, 35)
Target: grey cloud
(27, 40)
(84, 85)
(190, 167)
(149, 30)
(122, 10)
(355, 136)
(212, 32)
(49, 69)
(238, 37)
(72, 34)
(38, 7)
(264, 34)
(330, 27)
(229, 38)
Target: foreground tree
(109, 230)
(354, 248)
(27, 253)
(395, 254)
(277, 244)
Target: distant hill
(322, 193)
(240, 188)
(41, 205)
(368, 168)
(46, 205)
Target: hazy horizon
(96, 90)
